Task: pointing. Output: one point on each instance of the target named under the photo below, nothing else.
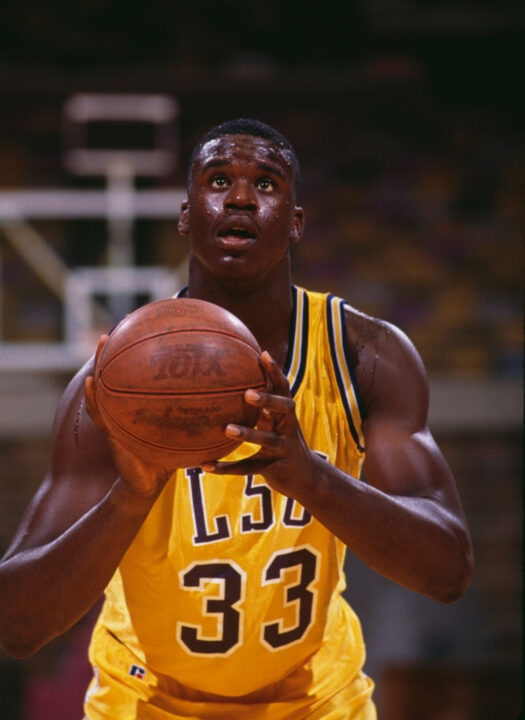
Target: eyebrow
(215, 163)
(271, 169)
(220, 162)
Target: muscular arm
(406, 522)
(73, 534)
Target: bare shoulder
(76, 442)
(388, 368)
(79, 474)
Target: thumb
(92, 407)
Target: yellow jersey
(230, 596)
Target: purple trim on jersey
(335, 364)
(351, 369)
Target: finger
(277, 377)
(269, 403)
(265, 421)
(91, 404)
(263, 438)
(250, 466)
(102, 341)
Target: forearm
(45, 590)
(411, 540)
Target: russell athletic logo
(137, 671)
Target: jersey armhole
(343, 369)
(295, 364)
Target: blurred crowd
(426, 233)
(414, 210)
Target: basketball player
(223, 583)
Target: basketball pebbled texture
(172, 375)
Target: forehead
(257, 151)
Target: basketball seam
(176, 393)
(223, 333)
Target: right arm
(76, 529)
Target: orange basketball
(172, 375)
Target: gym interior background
(408, 121)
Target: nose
(241, 196)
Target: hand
(284, 458)
(142, 478)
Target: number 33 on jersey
(229, 578)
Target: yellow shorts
(124, 688)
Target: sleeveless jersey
(230, 587)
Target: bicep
(400, 462)
(79, 475)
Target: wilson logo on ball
(190, 307)
(186, 361)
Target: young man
(223, 583)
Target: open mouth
(237, 232)
(235, 240)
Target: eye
(218, 181)
(266, 184)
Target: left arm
(406, 522)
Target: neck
(264, 307)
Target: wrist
(313, 480)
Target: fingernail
(233, 430)
(253, 395)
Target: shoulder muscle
(390, 373)
(80, 472)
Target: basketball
(172, 375)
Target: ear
(297, 230)
(183, 217)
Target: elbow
(17, 640)
(18, 651)
(24, 625)
(460, 579)
(454, 592)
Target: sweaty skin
(406, 521)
